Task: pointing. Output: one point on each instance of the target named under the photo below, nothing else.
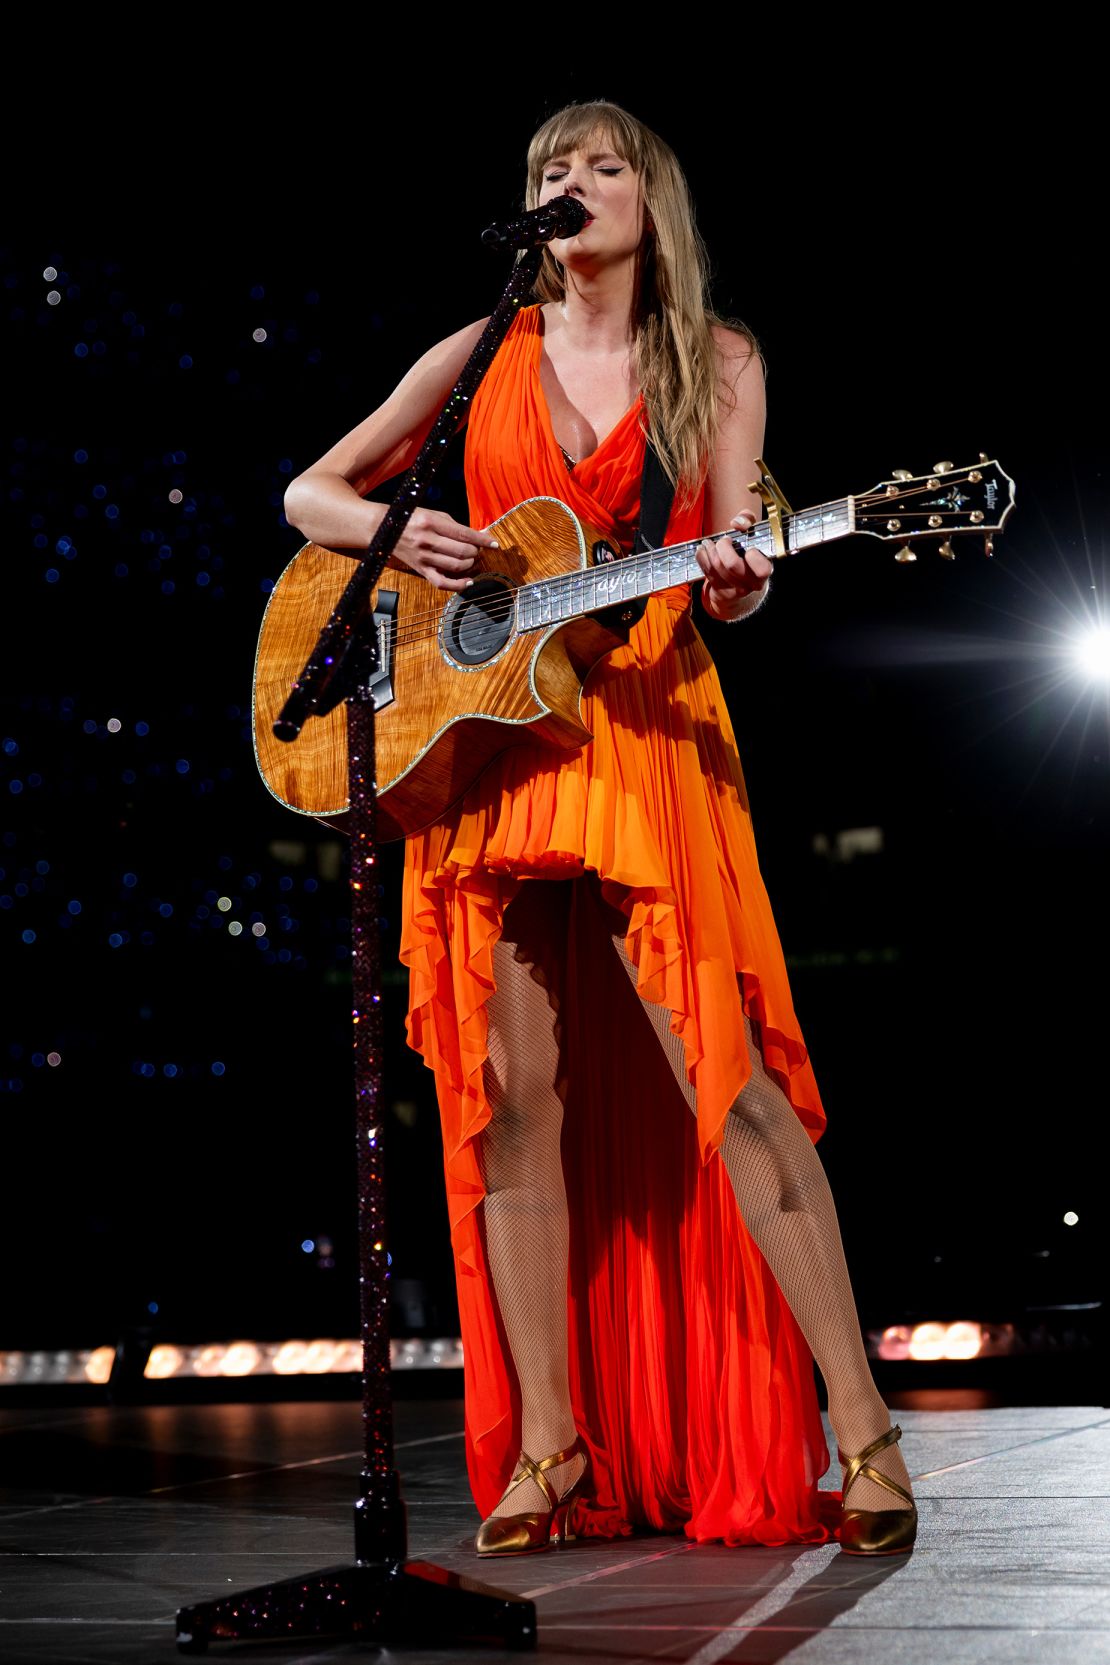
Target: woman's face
(609, 190)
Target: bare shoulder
(741, 371)
(448, 356)
(737, 352)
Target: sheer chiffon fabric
(690, 1379)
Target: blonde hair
(673, 350)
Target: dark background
(908, 226)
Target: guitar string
(566, 588)
(560, 586)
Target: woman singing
(592, 957)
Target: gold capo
(775, 504)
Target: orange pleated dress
(690, 1379)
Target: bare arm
(327, 502)
(735, 583)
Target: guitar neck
(570, 595)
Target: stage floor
(111, 1518)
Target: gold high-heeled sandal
(876, 1531)
(522, 1534)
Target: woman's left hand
(735, 578)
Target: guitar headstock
(943, 504)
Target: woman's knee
(521, 1143)
(765, 1137)
(521, 1079)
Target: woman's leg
(525, 1205)
(786, 1204)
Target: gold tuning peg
(983, 457)
(947, 551)
(988, 544)
(942, 468)
(901, 474)
(905, 554)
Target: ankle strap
(855, 1466)
(535, 1471)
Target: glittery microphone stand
(381, 1597)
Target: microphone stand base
(386, 1602)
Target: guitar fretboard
(570, 595)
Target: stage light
(324, 1356)
(240, 1359)
(319, 1357)
(19, 1369)
(443, 1354)
(408, 1355)
(206, 1361)
(963, 1341)
(1071, 1218)
(98, 1365)
(164, 1361)
(289, 1358)
(927, 1341)
(934, 1342)
(1093, 653)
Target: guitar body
(461, 681)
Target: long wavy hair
(673, 349)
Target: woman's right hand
(440, 549)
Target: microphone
(561, 217)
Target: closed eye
(554, 174)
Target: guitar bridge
(380, 684)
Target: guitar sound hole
(480, 622)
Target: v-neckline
(537, 363)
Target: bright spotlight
(240, 1359)
(927, 1341)
(98, 1366)
(963, 1341)
(1093, 653)
(164, 1361)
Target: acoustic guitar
(464, 674)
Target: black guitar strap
(656, 497)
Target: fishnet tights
(779, 1183)
(527, 1232)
